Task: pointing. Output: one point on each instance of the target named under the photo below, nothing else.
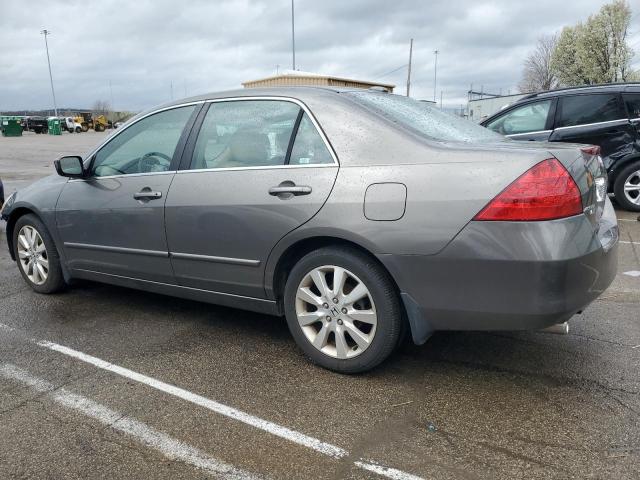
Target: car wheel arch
(19, 212)
(298, 249)
(620, 165)
(15, 215)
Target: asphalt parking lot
(105, 382)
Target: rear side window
(308, 147)
(584, 109)
(531, 117)
(246, 133)
(632, 101)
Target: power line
(390, 72)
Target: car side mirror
(70, 166)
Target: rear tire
(37, 256)
(627, 187)
(350, 328)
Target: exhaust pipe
(558, 328)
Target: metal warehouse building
(296, 78)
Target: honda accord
(358, 215)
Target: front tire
(342, 309)
(36, 255)
(627, 187)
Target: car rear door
(530, 121)
(258, 169)
(113, 221)
(595, 118)
(632, 103)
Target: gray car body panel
(515, 275)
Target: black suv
(603, 115)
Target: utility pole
(293, 35)
(171, 86)
(111, 94)
(46, 32)
(435, 74)
(440, 99)
(409, 71)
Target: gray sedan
(358, 215)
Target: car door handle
(293, 190)
(147, 195)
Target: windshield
(424, 118)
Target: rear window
(583, 109)
(423, 118)
(632, 100)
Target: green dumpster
(54, 126)
(11, 126)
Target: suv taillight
(545, 192)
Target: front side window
(531, 117)
(632, 101)
(147, 146)
(584, 109)
(245, 133)
(308, 147)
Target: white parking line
(628, 242)
(274, 429)
(230, 412)
(169, 447)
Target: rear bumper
(508, 275)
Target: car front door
(530, 121)
(259, 169)
(597, 119)
(113, 221)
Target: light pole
(46, 32)
(435, 74)
(409, 70)
(293, 35)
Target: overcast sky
(143, 46)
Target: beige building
(298, 78)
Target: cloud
(145, 51)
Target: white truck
(70, 125)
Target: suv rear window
(423, 118)
(632, 100)
(583, 109)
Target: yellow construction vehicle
(82, 121)
(100, 123)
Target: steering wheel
(148, 164)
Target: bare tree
(101, 107)
(537, 74)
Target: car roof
(585, 89)
(298, 92)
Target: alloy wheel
(32, 254)
(632, 188)
(336, 312)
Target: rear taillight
(545, 192)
